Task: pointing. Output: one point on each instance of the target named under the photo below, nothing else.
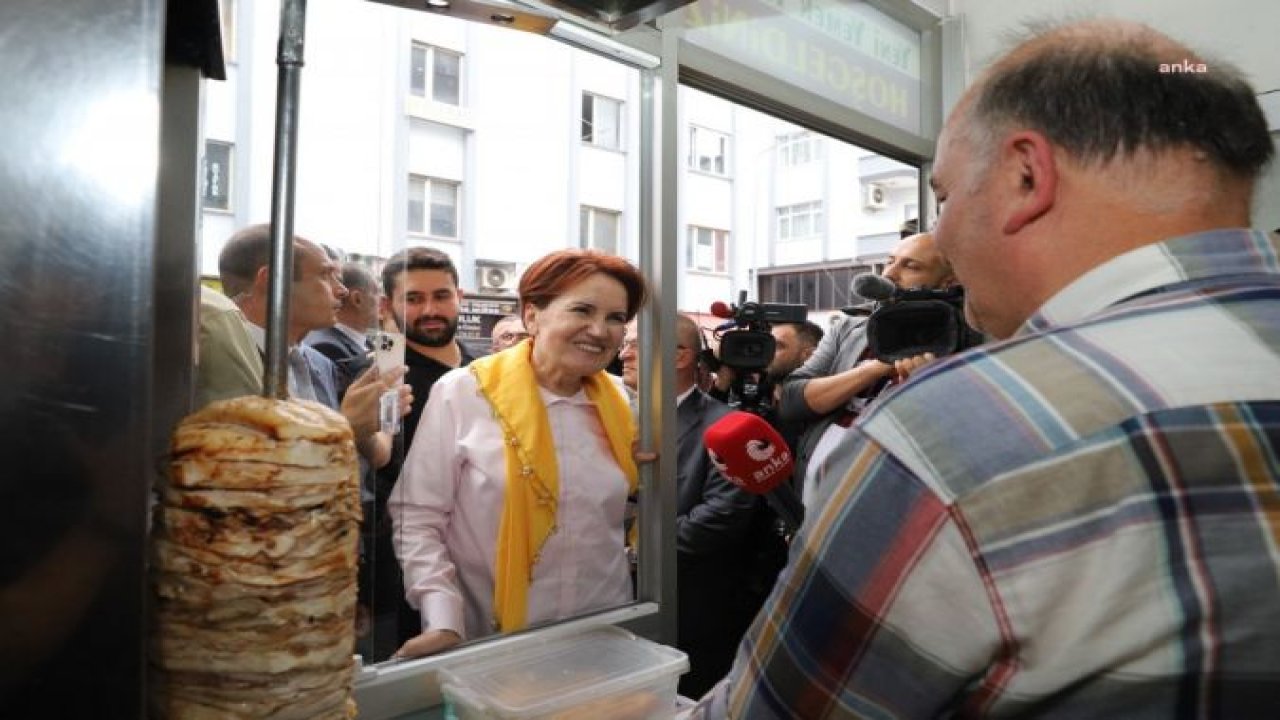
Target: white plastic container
(600, 673)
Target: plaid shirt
(1080, 522)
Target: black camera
(920, 320)
(747, 347)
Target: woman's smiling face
(578, 333)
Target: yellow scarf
(507, 382)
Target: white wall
(522, 158)
(344, 96)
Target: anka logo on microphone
(769, 462)
(761, 449)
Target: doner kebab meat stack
(254, 564)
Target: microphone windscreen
(748, 452)
(721, 310)
(872, 287)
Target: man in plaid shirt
(1081, 520)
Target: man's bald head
(1082, 144)
(689, 342)
(360, 306)
(688, 334)
(248, 251)
(1097, 90)
(916, 262)
(316, 291)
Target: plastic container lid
(562, 672)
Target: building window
(435, 73)
(217, 175)
(800, 221)
(823, 289)
(598, 229)
(433, 207)
(708, 249)
(708, 151)
(602, 121)
(798, 148)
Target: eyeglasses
(512, 336)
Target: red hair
(550, 275)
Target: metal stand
(280, 267)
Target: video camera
(747, 347)
(910, 322)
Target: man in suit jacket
(345, 343)
(717, 529)
(229, 363)
(315, 294)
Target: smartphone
(388, 351)
(388, 354)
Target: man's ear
(260, 280)
(1028, 155)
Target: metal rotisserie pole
(289, 59)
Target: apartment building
(498, 146)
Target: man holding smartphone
(421, 294)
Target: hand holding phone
(388, 350)
(388, 354)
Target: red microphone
(721, 310)
(753, 456)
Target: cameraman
(841, 377)
(796, 343)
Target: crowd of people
(1075, 518)
(465, 506)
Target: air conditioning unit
(874, 197)
(495, 276)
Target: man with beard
(795, 342)
(421, 295)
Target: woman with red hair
(511, 504)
